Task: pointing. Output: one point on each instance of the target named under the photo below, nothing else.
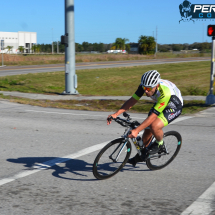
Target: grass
(191, 78)
(143, 106)
(18, 60)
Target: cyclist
(168, 106)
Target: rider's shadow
(140, 167)
(74, 166)
(77, 167)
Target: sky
(104, 20)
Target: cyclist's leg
(147, 136)
(164, 119)
(156, 128)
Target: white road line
(42, 166)
(50, 112)
(203, 204)
(75, 114)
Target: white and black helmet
(150, 78)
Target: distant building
(134, 48)
(16, 39)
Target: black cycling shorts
(168, 114)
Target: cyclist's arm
(126, 106)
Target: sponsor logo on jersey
(173, 115)
(161, 105)
(162, 94)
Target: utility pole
(52, 43)
(69, 41)
(156, 48)
(57, 47)
(156, 39)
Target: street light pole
(70, 76)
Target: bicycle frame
(133, 142)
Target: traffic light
(211, 30)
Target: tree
(38, 48)
(164, 48)
(127, 47)
(9, 48)
(34, 48)
(85, 46)
(120, 43)
(146, 45)
(177, 47)
(21, 49)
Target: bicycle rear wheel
(111, 159)
(172, 145)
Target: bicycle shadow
(79, 168)
(74, 166)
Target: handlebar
(124, 122)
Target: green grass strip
(192, 78)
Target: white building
(16, 39)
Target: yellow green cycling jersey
(167, 95)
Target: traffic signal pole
(212, 65)
(69, 41)
(210, 99)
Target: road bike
(113, 157)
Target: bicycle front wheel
(172, 144)
(111, 159)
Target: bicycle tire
(170, 138)
(103, 166)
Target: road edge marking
(203, 204)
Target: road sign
(211, 30)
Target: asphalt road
(15, 70)
(35, 138)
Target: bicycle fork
(116, 159)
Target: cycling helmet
(150, 78)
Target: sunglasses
(147, 88)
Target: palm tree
(21, 49)
(120, 43)
(9, 48)
(143, 44)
